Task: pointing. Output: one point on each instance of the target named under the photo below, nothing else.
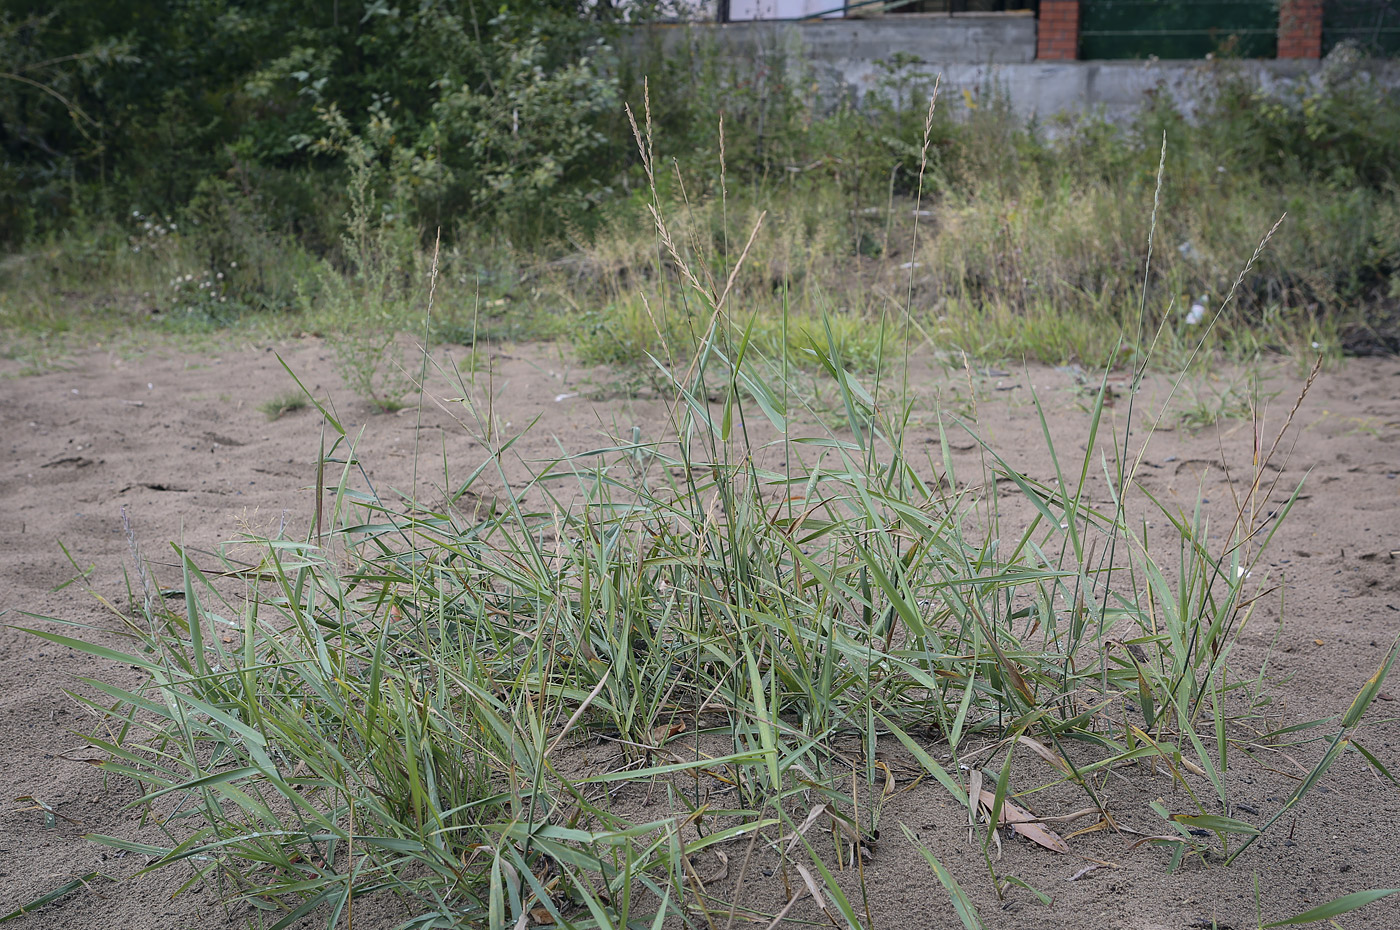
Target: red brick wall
(1300, 29)
(1057, 33)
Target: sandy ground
(177, 440)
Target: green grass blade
(1367, 695)
(50, 896)
(934, 769)
(1335, 908)
(962, 904)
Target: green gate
(1179, 28)
(1372, 25)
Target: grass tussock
(276, 407)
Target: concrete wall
(979, 54)
(854, 45)
(1117, 90)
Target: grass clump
(412, 724)
(282, 404)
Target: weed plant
(365, 307)
(748, 607)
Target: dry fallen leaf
(814, 890)
(1102, 824)
(811, 818)
(1045, 752)
(1024, 823)
(719, 874)
(541, 917)
(889, 779)
(1192, 767)
(838, 823)
(974, 790)
(665, 731)
(1089, 869)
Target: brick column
(1300, 29)
(1057, 32)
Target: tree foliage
(122, 103)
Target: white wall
(742, 10)
(977, 54)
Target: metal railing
(1372, 25)
(1178, 28)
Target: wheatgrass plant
(746, 606)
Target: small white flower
(173, 226)
(189, 277)
(233, 264)
(220, 276)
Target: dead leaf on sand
(1024, 822)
